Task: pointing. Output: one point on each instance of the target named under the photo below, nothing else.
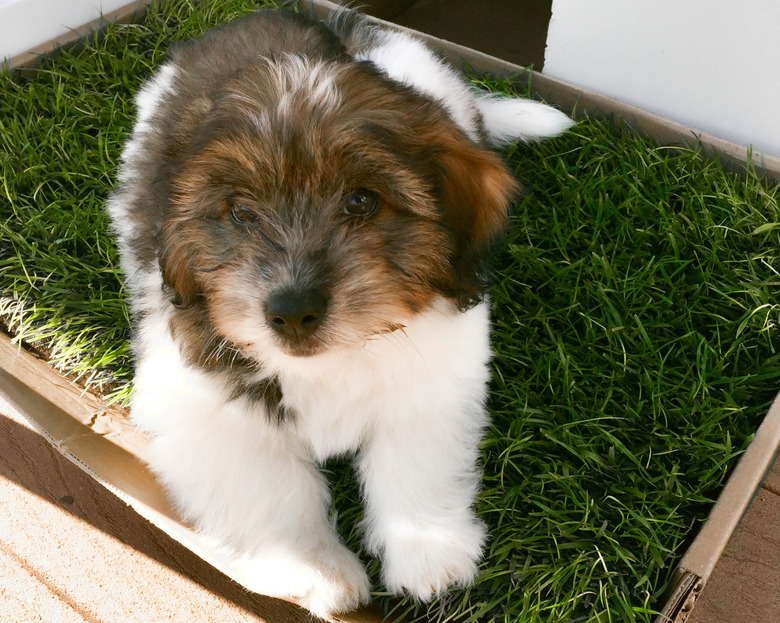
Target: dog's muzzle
(296, 314)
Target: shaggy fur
(304, 215)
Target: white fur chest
(402, 379)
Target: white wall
(25, 24)
(712, 64)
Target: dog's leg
(253, 489)
(420, 479)
(246, 482)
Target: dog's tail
(406, 59)
(508, 119)
(355, 30)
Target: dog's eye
(242, 214)
(361, 203)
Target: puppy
(304, 214)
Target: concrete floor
(745, 585)
(71, 551)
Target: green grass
(635, 312)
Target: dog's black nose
(296, 314)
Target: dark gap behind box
(514, 30)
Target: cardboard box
(100, 440)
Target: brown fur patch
(290, 138)
(477, 190)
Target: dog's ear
(175, 263)
(477, 191)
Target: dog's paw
(341, 585)
(327, 582)
(424, 562)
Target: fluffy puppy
(304, 214)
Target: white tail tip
(510, 119)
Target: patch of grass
(61, 134)
(635, 313)
(635, 326)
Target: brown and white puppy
(304, 215)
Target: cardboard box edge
(578, 101)
(573, 99)
(30, 59)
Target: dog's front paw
(327, 582)
(425, 561)
(341, 585)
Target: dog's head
(318, 203)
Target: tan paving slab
(72, 551)
(745, 585)
(24, 596)
(772, 482)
